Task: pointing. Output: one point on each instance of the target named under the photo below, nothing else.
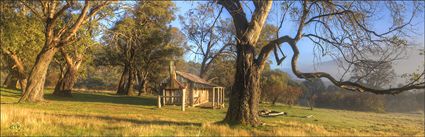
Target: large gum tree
(344, 27)
(57, 35)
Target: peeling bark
(34, 91)
(245, 95)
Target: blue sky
(305, 46)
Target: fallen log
(268, 113)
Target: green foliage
(314, 87)
(276, 86)
(21, 32)
(268, 33)
(222, 72)
(143, 40)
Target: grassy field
(94, 114)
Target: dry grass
(107, 115)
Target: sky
(307, 57)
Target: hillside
(411, 58)
(94, 114)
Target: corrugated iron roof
(195, 78)
(174, 84)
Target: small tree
(274, 85)
(292, 93)
(313, 88)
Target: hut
(189, 90)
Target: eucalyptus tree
(155, 54)
(208, 33)
(57, 35)
(18, 49)
(340, 27)
(140, 42)
(73, 56)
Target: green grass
(108, 114)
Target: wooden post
(221, 93)
(192, 99)
(163, 95)
(213, 98)
(222, 99)
(183, 99)
(172, 94)
(218, 97)
(219, 100)
(159, 101)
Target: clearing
(97, 114)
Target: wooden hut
(186, 89)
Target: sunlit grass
(97, 114)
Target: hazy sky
(305, 46)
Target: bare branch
(67, 58)
(234, 7)
(77, 23)
(262, 56)
(34, 11)
(60, 12)
(302, 21)
(347, 84)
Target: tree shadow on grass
(134, 121)
(7, 92)
(104, 98)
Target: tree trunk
(20, 71)
(203, 69)
(141, 77)
(130, 83)
(66, 83)
(245, 95)
(274, 101)
(34, 91)
(142, 87)
(11, 80)
(17, 72)
(311, 103)
(125, 87)
(7, 79)
(23, 84)
(122, 89)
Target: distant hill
(413, 62)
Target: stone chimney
(172, 71)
